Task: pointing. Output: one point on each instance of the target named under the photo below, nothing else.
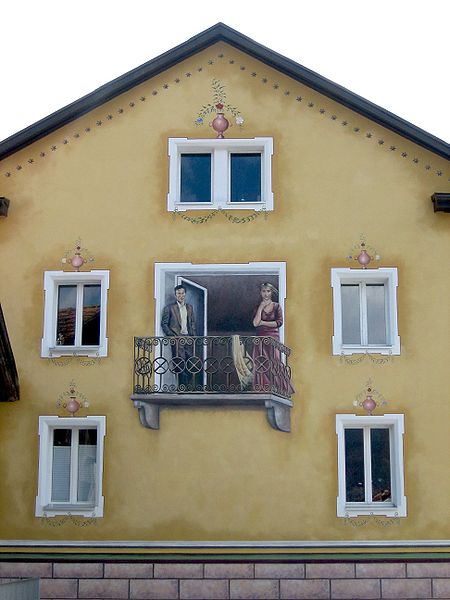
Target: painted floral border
(287, 94)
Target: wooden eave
(9, 380)
(222, 33)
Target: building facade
(282, 431)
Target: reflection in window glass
(87, 457)
(381, 465)
(62, 440)
(90, 335)
(376, 313)
(351, 317)
(354, 465)
(65, 326)
(245, 177)
(195, 178)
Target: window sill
(90, 351)
(79, 510)
(380, 509)
(393, 350)
(256, 206)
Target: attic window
(220, 173)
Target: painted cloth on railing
(244, 373)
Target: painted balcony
(228, 371)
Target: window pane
(195, 178)
(354, 465)
(87, 458)
(246, 178)
(381, 465)
(376, 313)
(62, 439)
(65, 325)
(351, 318)
(90, 335)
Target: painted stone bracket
(278, 409)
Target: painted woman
(270, 373)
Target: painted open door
(197, 296)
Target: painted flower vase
(220, 124)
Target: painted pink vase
(220, 124)
(364, 259)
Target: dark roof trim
(9, 380)
(221, 32)
(441, 202)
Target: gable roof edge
(217, 33)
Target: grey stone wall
(234, 580)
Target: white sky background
(394, 53)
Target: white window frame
(44, 506)
(52, 281)
(386, 276)
(220, 150)
(238, 269)
(395, 424)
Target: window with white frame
(365, 311)
(75, 313)
(70, 466)
(226, 173)
(370, 465)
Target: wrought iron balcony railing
(228, 371)
(220, 364)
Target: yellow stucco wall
(225, 474)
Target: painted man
(178, 320)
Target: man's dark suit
(171, 325)
(171, 320)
